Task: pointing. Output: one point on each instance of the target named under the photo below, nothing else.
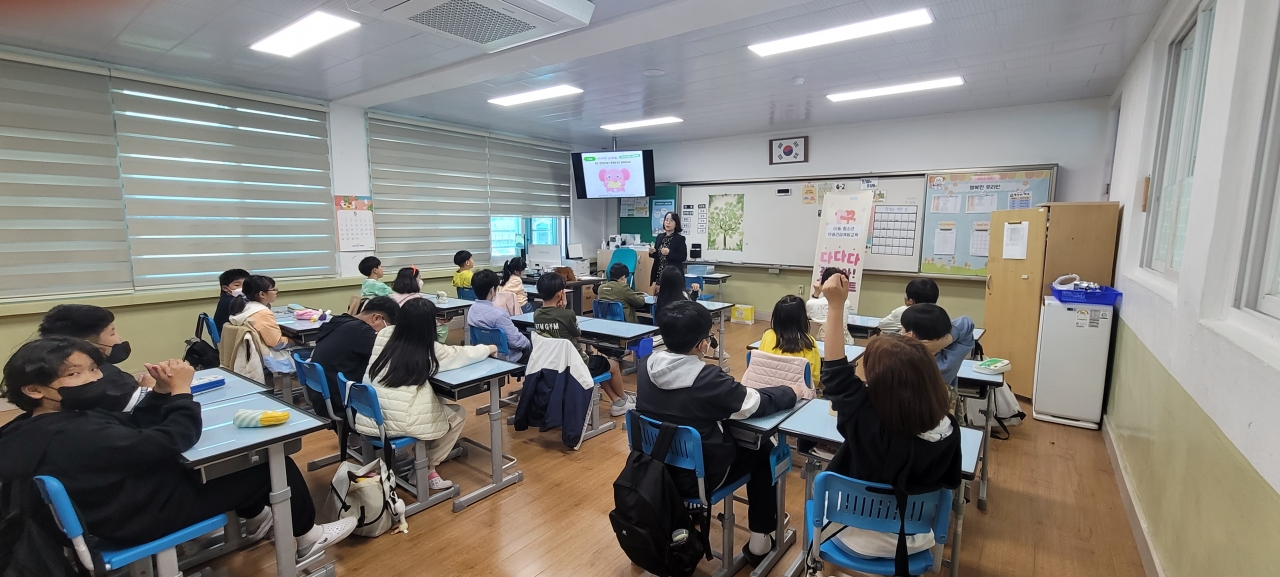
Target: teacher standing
(668, 247)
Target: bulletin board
(958, 207)
(639, 219)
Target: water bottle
(679, 536)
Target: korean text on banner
(842, 238)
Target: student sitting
(405, 357)
(231, 282)
(676, 386)
(949, 341)
(253, 309)
(124, 471)
(345, 345)
(817, 307)
(483, 314)
(616, 289)
(97, 325)
(790, 335)
(919, 291)
(895, 425)
(554, 321)
(671, 289)
(513, 282)
(462, 278)
(371, 268)
(408, 285)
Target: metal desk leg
(594, 426)
(959, 506)
(986, 445)
(720, 350)
(286, 548)
(785, 537)
(797, 567)
(495, 451)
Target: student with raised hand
(98, 326)
(948, 341)
(371, 269)
(616, 289)
(345, 345)
(789, 335)
(124, 471)
(484, 314)
(554, 321)
(230, 283)
(676, 386)
(895, 425)
(513, 282)
(919, 291)
(253, 309)
(671, 289)
(405, 357)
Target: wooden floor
(1054, 510)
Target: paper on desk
(1015, 240)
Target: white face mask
(419, 284)
(237, 292)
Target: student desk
(612, 334)
(851, 352)
(751, 433)
(715, 278)
(719, 311)
(977, 334)
(224, 449)
(575, 296)
(487, 375)
(235, 386)
(974, 385)
(301, 331)
(814, 422)
(861, 326)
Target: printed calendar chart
(894, 229)
(355, 222)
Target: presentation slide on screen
(613, 174)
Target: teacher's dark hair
(675, 218)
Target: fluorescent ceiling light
(848, 32)
(899, 89)
(304, 34)
(545, 93)
(639, 123)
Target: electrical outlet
(800, 289)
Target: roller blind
(528, 179)
(430, 194)
(62, 226)
(213, 182)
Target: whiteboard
(778, 229)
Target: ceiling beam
(662, 21)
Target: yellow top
(769, 344)
(462, 278)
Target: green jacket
(620, 292)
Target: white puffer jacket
(415, 411)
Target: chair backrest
(64, 514)
(355, 304)
(686, 448)
(608, 310)
(628, 257)
(212, 327)
(466, 294)
(363, 400)
(774, 365)
(495, 337)
(689, 280)
(872, 506)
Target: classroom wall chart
(958, 207)
(354, 218)
(842, 238)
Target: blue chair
(212, 327)
(702, 286)
(627, 257)
(312, 376)
(686, 453)
(608, 310)
(466, 294)
(363, 400)
(808, 370)
(164, 549)
(872, 506)
(495, 337)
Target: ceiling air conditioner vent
(491, 25)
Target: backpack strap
(661, 445)
(200, 325)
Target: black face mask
(119, 353)
(85, 397)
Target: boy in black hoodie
(98, 326)
(344, 345)
(676, 386)
(896, 427)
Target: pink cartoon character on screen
(615, 179)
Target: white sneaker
(256, 529)
(322, 536)
(438, 483)
(619, 410)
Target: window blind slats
(528, 180)
(213, 181)
(61, 214)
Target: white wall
(349, 162)
(592, 221)
(1228, 360)
(1070, 133)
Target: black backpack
(200, 353)
(648, 509)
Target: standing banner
(844, 225)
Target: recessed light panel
(899, 89)
(305, 33)
(545, 93)
(640, 123)
(848, 32)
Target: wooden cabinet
(1062, 238)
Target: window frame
(526, 234)
(1198, 29)
(1260, 289)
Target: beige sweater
(515, 284)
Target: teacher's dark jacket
(678, 254)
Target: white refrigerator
(1071, 367)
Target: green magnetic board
(643, 226)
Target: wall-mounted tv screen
(613, 174)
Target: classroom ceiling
(1010, 52)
